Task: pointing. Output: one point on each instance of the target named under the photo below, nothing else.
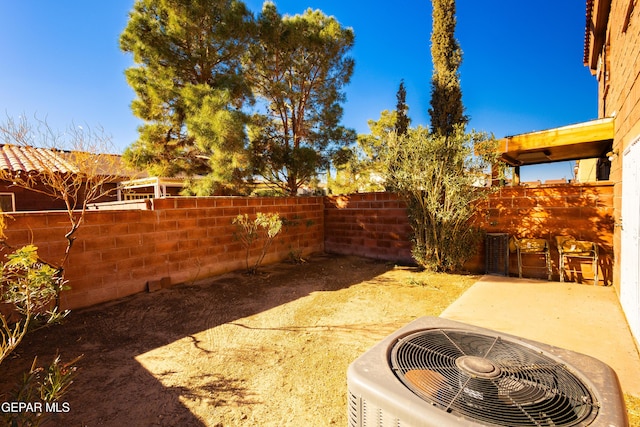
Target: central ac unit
(437, 372)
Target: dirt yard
(237, 350)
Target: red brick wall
(584, 211)
(376, 225)
(117, 252)
(373, 225)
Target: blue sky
(522, 65)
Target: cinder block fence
(372, 225)
(120, 252)
(176, 240)
(583, 211)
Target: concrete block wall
(373, 225)
(176, 240)
(118, 252)
(584, 211)
(376, 225)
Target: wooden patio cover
(578, 141)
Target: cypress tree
(402, 120)
(446, 109)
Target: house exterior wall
(619, 96)
(34, 200)
(29, 200)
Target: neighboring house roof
(101, 164)
(25, 159)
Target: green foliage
(27, 283)
(441, 173)
(199, 62)
(447, 110)
(424, 282)
(267, 192)
(441, 178)
(265, 228)
(219, 133)
(41, 385)
(29, 291)
(298, 66)
(189, 86)
(374, 144)
(363, 167)
(295, 255)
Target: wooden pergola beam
(582, 140)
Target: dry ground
(237, 350)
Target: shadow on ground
(112, 388)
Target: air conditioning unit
(437, 372)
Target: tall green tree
(402, 120)
(298, 66)
(189, 86)
(362, 166)
(440, 172)
(447, 110)
(373, 144)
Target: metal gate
(630, 238)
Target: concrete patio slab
(582, 318)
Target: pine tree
(189, 86)
(298, 66)
(402, 120)
(446, 109)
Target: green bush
(265, 228)
(29, 292)
(441, 178)
(30, 289)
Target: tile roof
(14, 158)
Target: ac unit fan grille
(490, 379)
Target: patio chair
(531, 247)
(569, 247)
